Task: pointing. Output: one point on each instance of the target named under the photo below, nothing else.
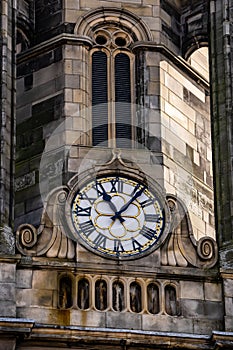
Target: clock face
(117, 217)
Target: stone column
(221, 55)
(7, 123)
(221, 21)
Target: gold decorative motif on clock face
(118, 217)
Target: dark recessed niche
(101, 40)
(120, 41)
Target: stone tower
(114, 206)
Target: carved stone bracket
(50, 239)
(181, 248)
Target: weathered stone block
(213, 310)
(7, 241)
(23, 297)
(7, 291)
(164, 323)
(44, 315)
(88, 318)
(228, 287)
(229, 306)
(205, 326)
(42, 297)
(123, 320)
(7, 308)
(44, 280)
(228, 323)
(192, 308)
(191, 290)
(7, 272)
(213, 291)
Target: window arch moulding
(119, 17)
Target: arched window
(65, 292)
(135, 297)
(153, 298)
(99, 99)
(112, 76)
(83, 294)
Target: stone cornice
(176, 59)
(53, 43)
(122, 269)
(32, 333)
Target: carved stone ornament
(50, 239)
(181, 248)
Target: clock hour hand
(108, 198)
(125, 206)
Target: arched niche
(65, 292)
(135, 297)
(83, 294)
(171, 303)
(153, 305)
(101, 294)
(118, 298)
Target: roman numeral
(117, 185)
(147, 202)
(87, 227)
(82, 211)
(90, 199)
(147, 232)
(118, 247)
(113, 183)
(120, 186)
(100, 241)
(152, 217)
(99, 188)
(136, 245)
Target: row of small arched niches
(118, 294)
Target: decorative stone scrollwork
(26, 237)
(50, 239)
(181, 248)
(206, 248)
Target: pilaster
(7, 93)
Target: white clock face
(117, 217)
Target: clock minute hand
(125, 206)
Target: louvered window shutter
(99, 99)
(123, 101)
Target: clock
(118, 217)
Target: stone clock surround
(180, 267)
